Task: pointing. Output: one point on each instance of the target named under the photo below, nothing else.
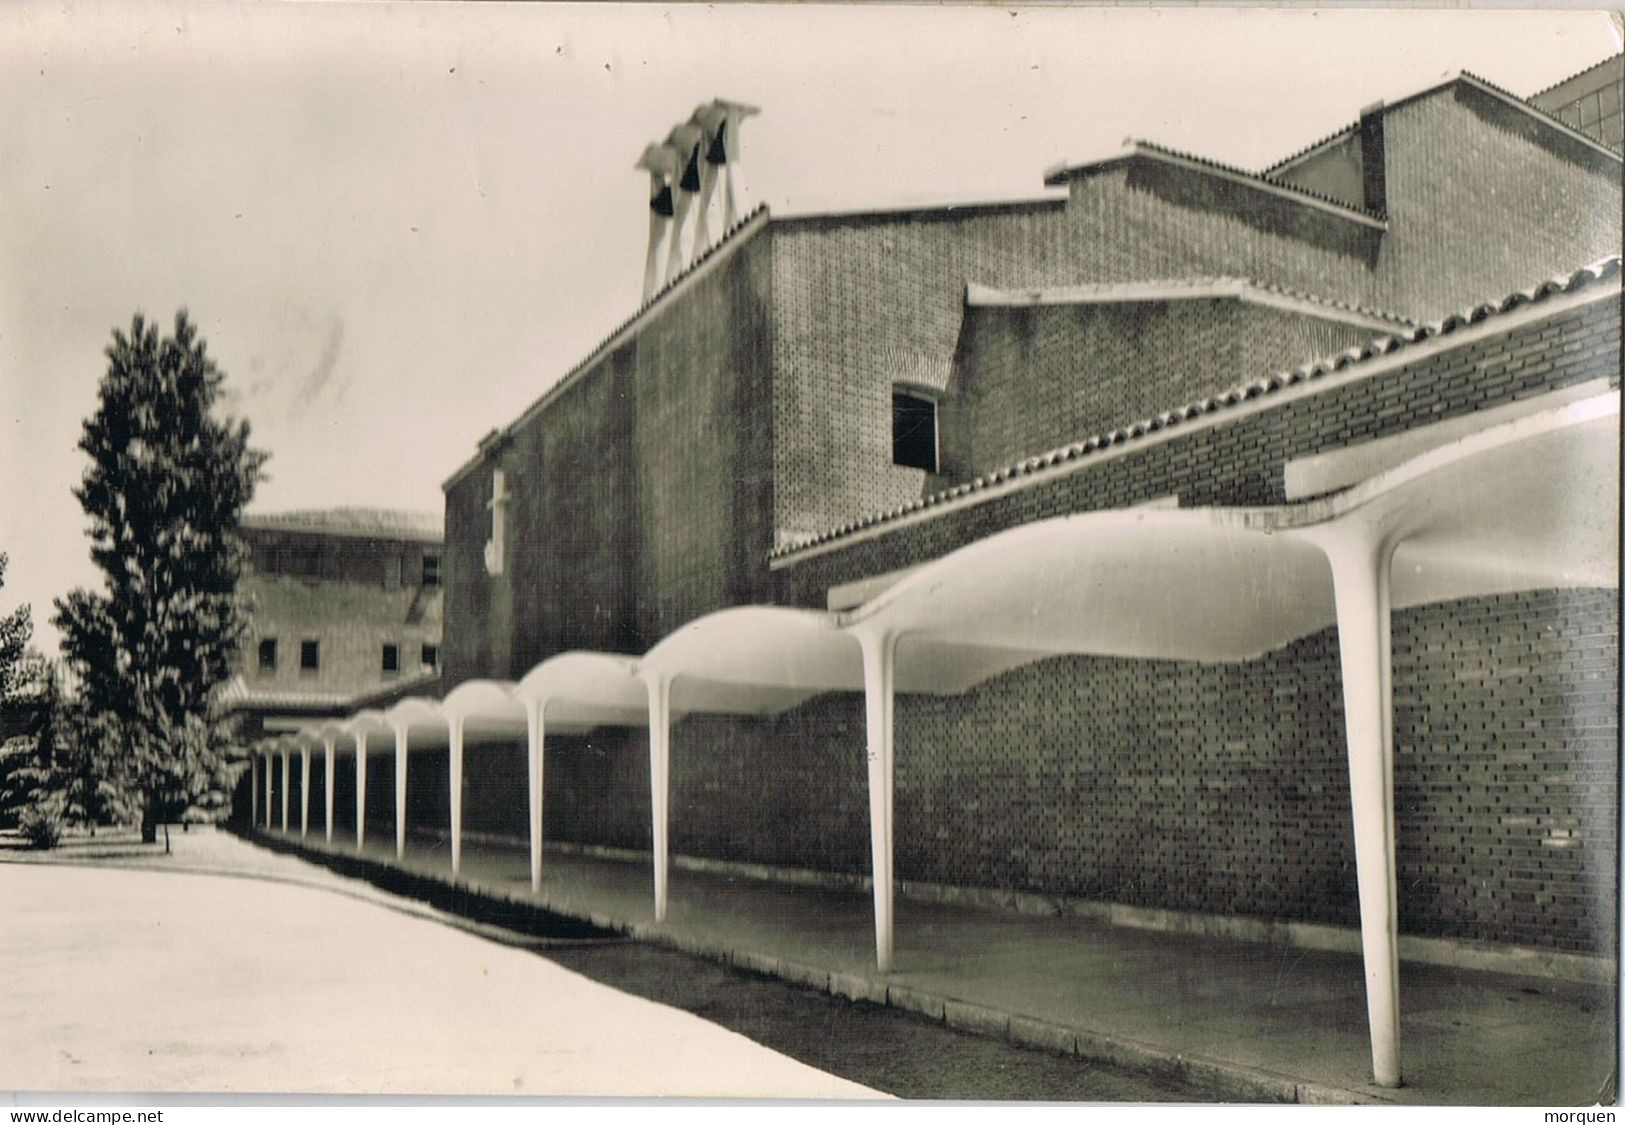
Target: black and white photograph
(777, 555)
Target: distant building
(346, 606)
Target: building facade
(1021, 455)
(345, 603)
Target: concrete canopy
(485, 708)
(581, 690)
(418, 717)
(754, 660)
(365, 725)
(1520, 506)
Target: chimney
(660, 162)
(1373, 164)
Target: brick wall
(640, 494)
(1209, 788)
(350, 621)
(1477, 209)
(1028, 380)
(1242, 462)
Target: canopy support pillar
(360, 790)
(660, 782)
(879, 684)
(304, 790)
(401, 738)
(284, 790)
(534, 712)
(1361, 564)
(327, 794)
(454, 734)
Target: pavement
(129, 971)
(1250, 1021)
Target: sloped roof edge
(1471, 79)
(1134, 149)
(1193, 288)
(734, 237)
(360, 523)
(1611, 60)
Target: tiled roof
(1133, 147)
(238, 695)
(419, 683)
(1611, 60)
(379, 523)
(1334, 135)
(1604, 270)
(1193, 287)
(734, 234)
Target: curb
(1231, 1081)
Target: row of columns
(1361, 565)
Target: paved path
(143, 980)
(1248, 1020)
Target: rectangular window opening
(431, 570)
(430, 659)
(267, 654)
(913, 431)
(310, 656)
(392, 659)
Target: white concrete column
(285, 776)
(304, 789)
(535, 711)
(400, 791)
(660, 781)
(454, 733)
(879, 694)
(253, 789)
(1361, 570)
(360, 790)
(658, 225)
(329, 743)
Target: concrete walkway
(166, 980)
(1251, 1021)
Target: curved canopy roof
(486, 708)
(755, 660)
(1520, 506)
(582, 690)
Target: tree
(164, 493)
(15, 629)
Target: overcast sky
(396, 225)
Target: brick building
(346, 605)
(826, 418)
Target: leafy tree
(165, 490)
(15, 629)
(16, 708)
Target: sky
(397, 224)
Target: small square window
(430, 659)
(431, 570)
(268, 654)
(392, 659)
(310, 656)
(913, 431)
